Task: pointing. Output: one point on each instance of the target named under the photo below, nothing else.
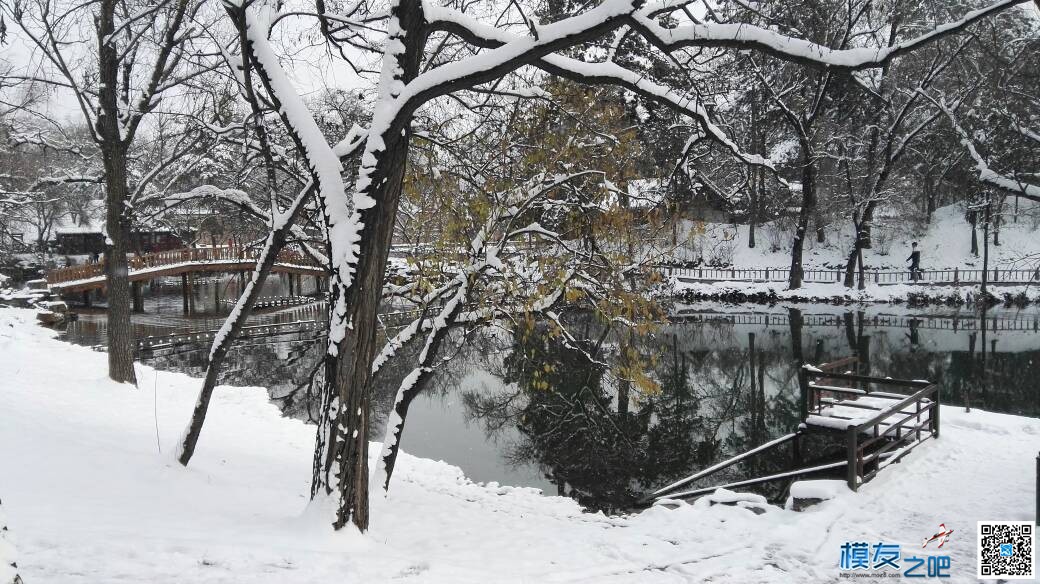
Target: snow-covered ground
(93, 495)
(944, 244)
(837, 293)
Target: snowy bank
(944, 244)
(92, 499)
(835, 293)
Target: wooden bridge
(180, 262)
(877, 423)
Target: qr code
(1007, 549)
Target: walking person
(915, 263)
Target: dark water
(210, 302)
(526, 410)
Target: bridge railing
(172, 257)
(954, 276)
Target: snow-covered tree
(432, 53)
(118, 64)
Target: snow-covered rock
(804, 494)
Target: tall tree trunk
(807, 211)
(117, 190)
(858, 245)
(755, 181)
(973, 220)
(341, 450)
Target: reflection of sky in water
(713, 354)
(438, 429)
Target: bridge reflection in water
(727, 383)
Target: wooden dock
(879, 420)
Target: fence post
(956, 275)
(767, 274)
(995, 274)
(935, 412)
(877, 277)
(852, 476)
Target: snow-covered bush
(881, 239)
(779, 233)
(720, 250)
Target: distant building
(81, 234)
(88, 241)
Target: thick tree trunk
(341, 450)
(117, 280)
(349, 373)
(806, 212)
(858, 245)
(117, 222)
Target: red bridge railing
(174, 257)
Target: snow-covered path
(90, 499)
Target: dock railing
(892, 424)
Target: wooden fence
(952, 277)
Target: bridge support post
(184, 292)
(86, 298)
(291, 278)
(138, 296)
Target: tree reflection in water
(710, 405)
(719, 389)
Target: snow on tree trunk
(342, 445)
